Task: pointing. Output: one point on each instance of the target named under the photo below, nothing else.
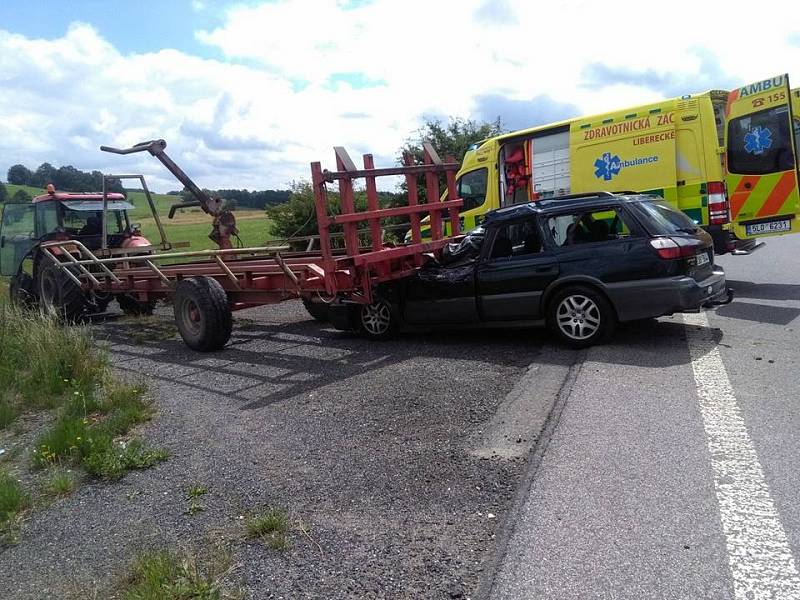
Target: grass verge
(179, 575)
(46, 366)
(87, 431)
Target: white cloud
(258, 117)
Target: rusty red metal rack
(263, 275)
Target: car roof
(551, 205)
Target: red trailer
(205, 290)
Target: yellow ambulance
(727, 159)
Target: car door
(17, 236)
(514, 271)
(441, 294)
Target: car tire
(202, 313)
(581, 316)
(377, 321)
(317, 310)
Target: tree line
(243, 198)
(66, 178)
(70, 179)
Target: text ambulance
(727, 159)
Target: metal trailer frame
(264, 275)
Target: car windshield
(664, 219)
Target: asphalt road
(665, 468)
(670, 469)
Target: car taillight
(718, 208)
(667, 248)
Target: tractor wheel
(21, 290)
(58, 294)
(318, 310)
(134, 307)
(202, 313)
(101, 300)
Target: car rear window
(662, 219)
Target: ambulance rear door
(761, 160)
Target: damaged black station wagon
(578, 264)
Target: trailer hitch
(224, 225)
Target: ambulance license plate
(702, 259)
(768, 227)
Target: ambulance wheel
(202, 313)
(377, 321)
(581, 316)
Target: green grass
(193, 496)
(180, 575)
(48, 366)
(84, 434)
(270, 527)
(8, 410)
(12, 497)
(30, 190)
(43, 362)
(252, 232)
(60, 482)
(13, 501)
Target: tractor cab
(65, 216)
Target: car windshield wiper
(688, 229)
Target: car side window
(586, 227)
(521, 238)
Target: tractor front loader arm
(224, 225)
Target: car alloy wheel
(578, 317)
(376, 318)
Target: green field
(189, 225)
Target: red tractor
(61, 216)
(100, 221)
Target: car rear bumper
(658, 297)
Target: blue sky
(140, 26)
(247, 94)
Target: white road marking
(760, 559)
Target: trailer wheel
(377, 321)
(202, 313)
(131, 305)
(318, 310)
(58, 294)
(21, 290)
